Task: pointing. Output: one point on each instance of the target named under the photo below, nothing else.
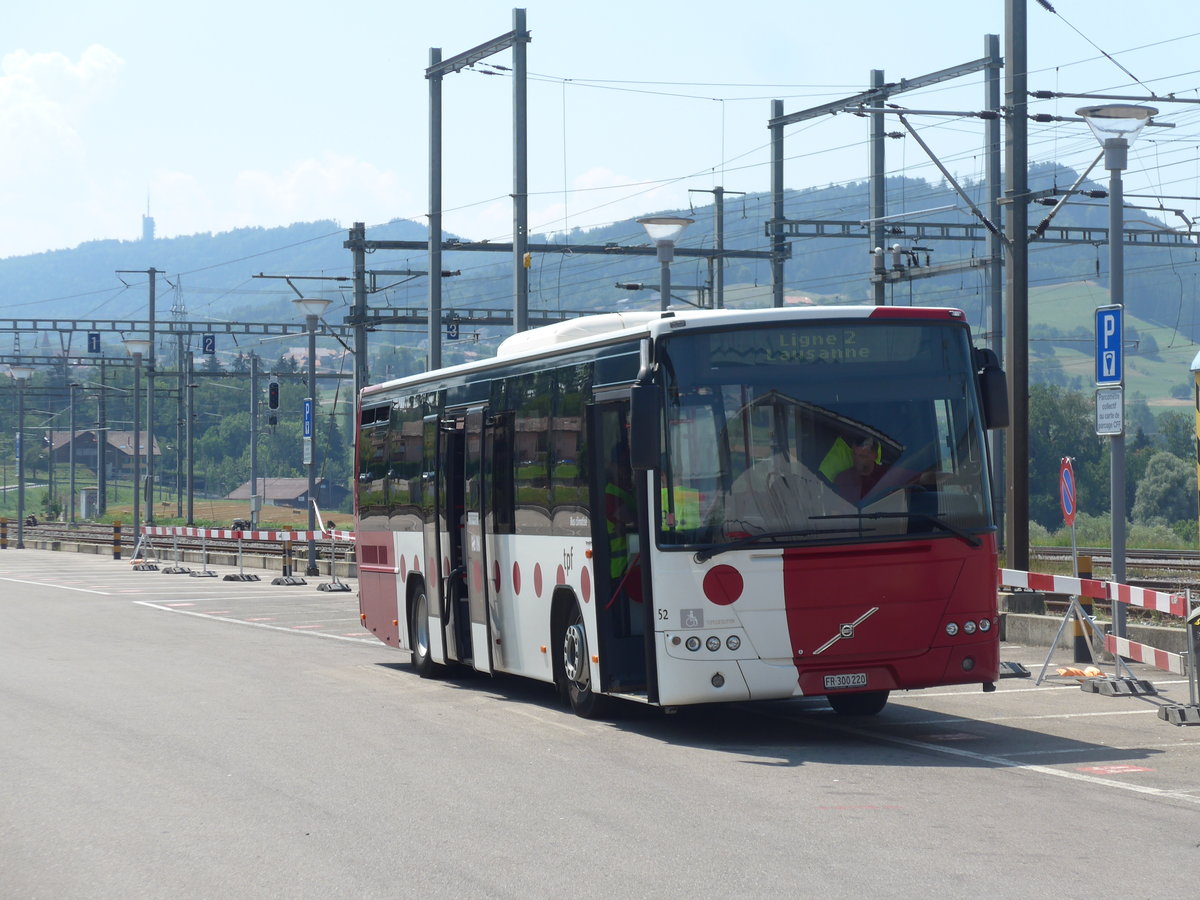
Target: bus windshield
(819, 432)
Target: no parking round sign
(1066, 491)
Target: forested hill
(213, 274)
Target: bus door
(476, 502)
(452, 516)
(432, 482)
(618, 541)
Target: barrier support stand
(241, 573)
(287, 577)
(335, 583)
(3, 533)
(177, 568)
(1083, 647)
(1190, 714)
(205, 571)
(143, 553)
(1112, 686)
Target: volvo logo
(846, 631)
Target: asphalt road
(166, 736)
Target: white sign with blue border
(1110, 369)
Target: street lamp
(22, 374)
(137, 348)
(665, 231)
(313, 308)
(1116, 126)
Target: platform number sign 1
(1066, 491)
(93, 342)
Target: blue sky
(223, 115)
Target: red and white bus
(693, 507)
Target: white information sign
(1110, 411)
(308, 451)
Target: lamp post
(313, 308)
(1116, 126)
(137, 348)
(665, 231)
(22, 374)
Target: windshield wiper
(928, 517)
(709, 552)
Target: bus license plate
(849, 680)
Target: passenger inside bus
(620, 514)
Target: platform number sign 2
(1066, 491)
(208, 344)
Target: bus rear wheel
(418, 632)
(862, 703)
(577, 668)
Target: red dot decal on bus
(585, 584)
(537, 579)
(476, 576)
(416, 564)
(560, 577)
(496, 577)
(516, 578)
(432, 567)
(723, 585)
(403, 567)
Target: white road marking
(285, 628)
(65, 587)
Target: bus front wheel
(577, 668)
(862, 703)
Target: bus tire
(861, 703)
(576, 666)
(418, 632)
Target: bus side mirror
(644, 416)
(993, 389)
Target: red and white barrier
(1143, 653)
(233, 534)
(1171, 604)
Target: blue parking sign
(1109, 335)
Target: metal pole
(191, 472)
(434, 325)
(179, 427)
(310, 322)
(71, 456)
(358, 234)
(777, 242)
(102, 444)
(20, 463)
(1016, 272)
(878, 182)
(150, 407)
(137, 450)
(996, 265)
(520, 177)
(1116, 152)
(719, 262)
(254, 441)
(665, 252)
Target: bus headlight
(969, 627)
(713, 643)
(692, 643)
(951, 628)
(985, 624)
(733, 642)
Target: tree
(1167, 490)
(1062, 423)
(1177, 433)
